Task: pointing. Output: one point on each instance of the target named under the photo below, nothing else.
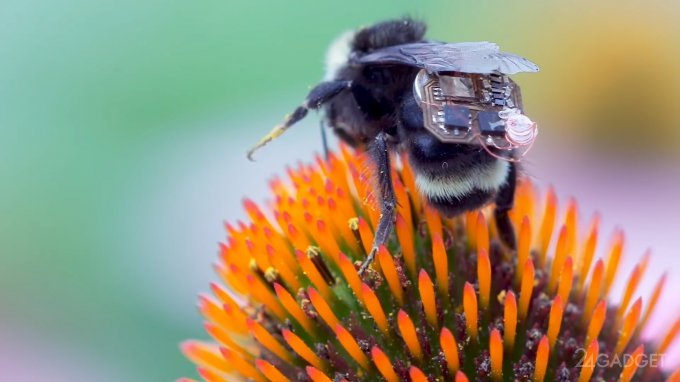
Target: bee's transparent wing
(468, 57)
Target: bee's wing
(467, 57)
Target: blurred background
(123, 128)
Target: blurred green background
(123, 127)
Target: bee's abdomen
(469, 202)
(466, 188)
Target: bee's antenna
(319, 95)
(324, 139)
(276, 132)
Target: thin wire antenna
(324, 139)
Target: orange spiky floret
(559, 259)
(293, 308)
(441, 266)
(224, 319)
(317, 375)
(389, 270)
(471, 229)
(270, 371)
(433, 221)
(300, 347)
(510, 320)
(589, 362)
(524, 203)
(526, 290)
(265, 295)
(542, 355)
(241, 365)
(261, 335)
(523, 247)
(366, 235)
(206, 356)
(427, 297)
(408, 333)
(632, 364)
(613, 261)
(631, 285)
(566, 279)
(653, 300)
(629, 324)
(484, 277)
(382, 361)
(209, 375)
(470, 309)
(351, 276)
(417, 375)
(403, 203)
(461, 377)
(224, 338)
(555, 320)
(588, 251)
(311, 271)
(670, 337)
(593, 294)
(322, 308)
(675, 377)
(373, 305)
(496, 355)
(596, 322)
(445, 298)
(351, 345)
(482, 233)
(450, 349)
(405, 236)
(571, 222)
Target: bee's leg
(504, 202)
(387, 201)
(319, 95)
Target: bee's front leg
(381, 156)
(504, 203)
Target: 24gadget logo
(614, 360)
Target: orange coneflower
(444, 300)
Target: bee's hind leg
(381, 156)
(504, 203)
(319, 95)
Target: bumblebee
(450, 106)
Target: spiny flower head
(444, 300)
